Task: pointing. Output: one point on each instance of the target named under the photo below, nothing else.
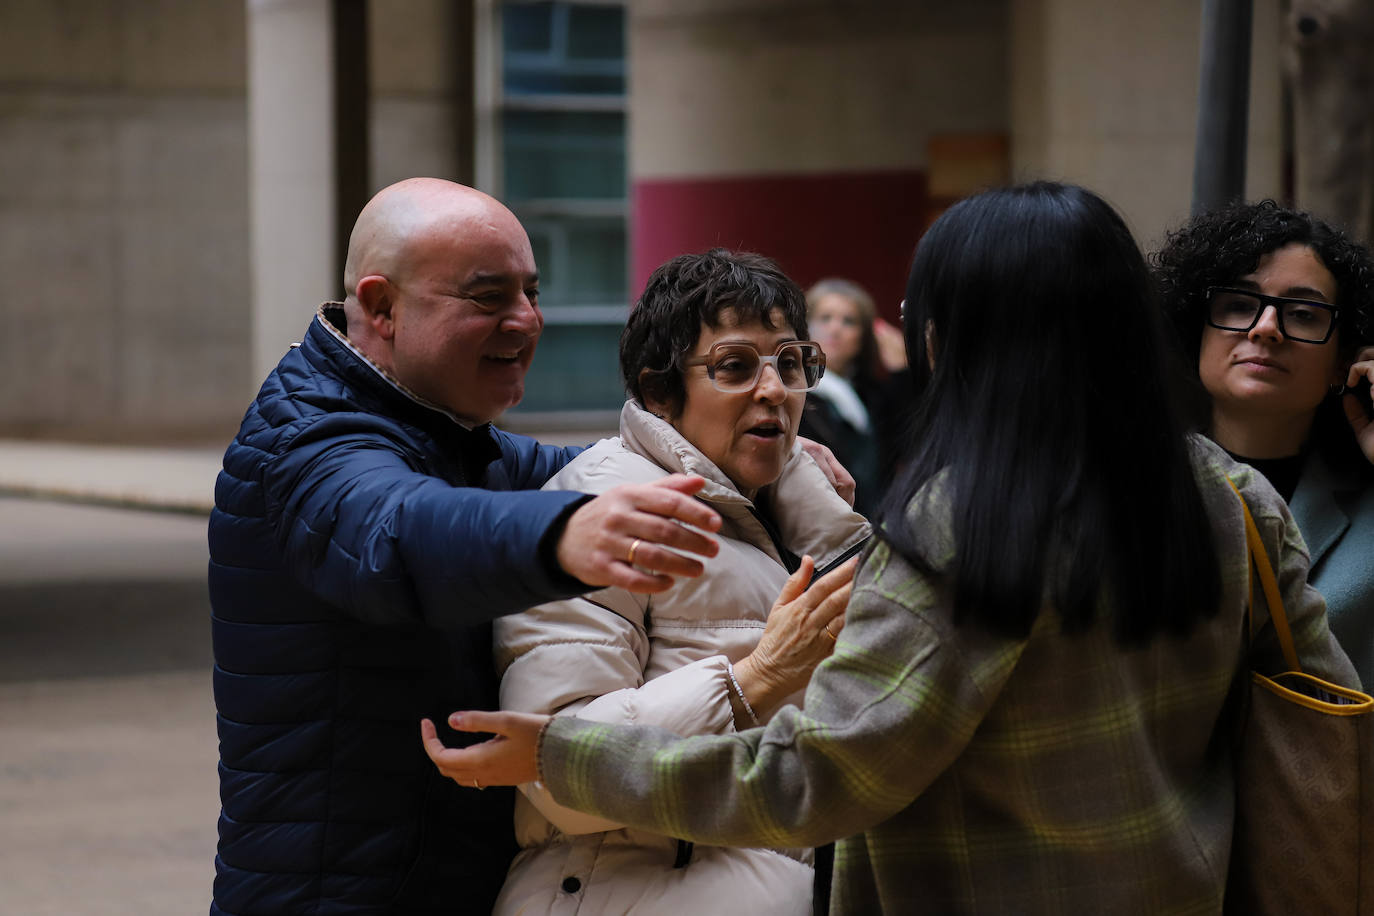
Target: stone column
(291, 169)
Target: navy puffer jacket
(355, 565)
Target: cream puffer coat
(613, 656)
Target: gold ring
(634, 545)
(476, 785)
(826, 628)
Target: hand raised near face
(622, 537)
(1361, 370)
(891, 345)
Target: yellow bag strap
(1259, 561)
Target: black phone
(840, 560)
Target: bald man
(369, 524)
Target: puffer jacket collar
(807, 513)
(376, 391)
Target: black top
(1282, 473)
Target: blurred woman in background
(858, 407)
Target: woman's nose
(770, 388)
(1267, 327)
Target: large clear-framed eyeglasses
(1302, 320)
(735, 367)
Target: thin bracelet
(730, 670)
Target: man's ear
(376, 295)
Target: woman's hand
(891, 345)
(509, 759)
(800, 634)
(830, 466)
(1361, 370)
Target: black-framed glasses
(736, 367)
(1302, 320)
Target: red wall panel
(862, 225)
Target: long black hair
(1049, 418)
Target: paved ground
(108, 787)
(107, 741)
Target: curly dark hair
(687, 292)
(1219, 247)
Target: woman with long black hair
(1030, 706)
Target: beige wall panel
(132, 44)
(1110, 101)
(189, 154)
(413, 136)
(183, 170)
(418, 69)
(185, 342)
(56, 148)
(123, 182)
(803, 87)
(181, 45)
(412, 45)
(60, 351)
(60, 42)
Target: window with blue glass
(562, 167)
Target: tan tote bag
(1304, 830)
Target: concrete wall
(1110, 101)
(419, 54)
(123, 219)
(800, 127)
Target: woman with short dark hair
(1030, 707)
(716, 365)
(1275, 308)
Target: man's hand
(622, 537)
(834, 471)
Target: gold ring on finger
(826, 628)
(634, 546)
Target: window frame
(544, 215)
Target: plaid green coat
(969, 773)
